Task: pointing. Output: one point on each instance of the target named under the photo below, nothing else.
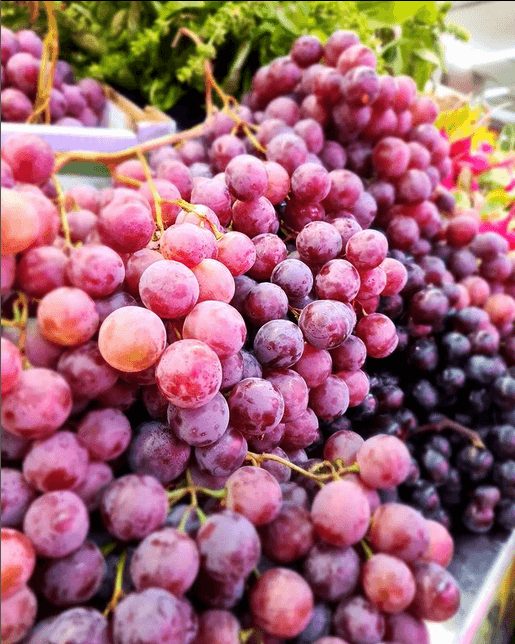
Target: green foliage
(129, 43)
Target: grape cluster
(72, 103)
(175, 348)
(458, 359)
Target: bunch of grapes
(72, 103)
(176, 347)
(458, 340)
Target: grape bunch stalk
(188, 357)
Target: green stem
(366, 549)
(118, 584)
(108, 548)
(216, 494)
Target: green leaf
(391, 13)
(428, 56)
(286, 22)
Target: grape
(400, 531)
(372, 284)
(7, 272)
(345, 189)
(256, 406)
(278, 344)
(283, 108)
(17, 495)
(67, 316)
(14, 447)
(437, 595)
(11, 365)
(18, 561)
(189, 374)
(330, 399)
(165, 559)
(297, 214)
(77, 626)
(294, 391)
(232, 371)
(20, 222)
(334, 501)
(86, 371)
(168, 194)
(237, 252)
(343, 445)
(218, 325)
(58, 462)
(289, 536)
(265, 303)
(270, 251)
(384, 461)
(332, 572)
(441, 545)
(38, 404)
(106, 433)
(318, 242)
(254, 217)
(188, 244)
(379, 335)
(294, 277)
(156, 450)
(246, 177)
(201, 426)
(31, 158)
(126, 227)
(388, 583)
(241, 486)
(301, 432)
(16, 106)
(314, 365)
(366, 249)
(41, 270)
(81, 223)
(169, 289)
(98, 476)
(133, 506)
(223, 149)
(359, 621)
(96, 269)
(57, 523)
(139, 349)
(391, 157)
(281, 603)
(224, 456)
(337, 43)
(151, 616)
(326, 323)
(18, 615)
(74, 579)
(175, 172)
(218, 627)
(338, 280)
(215, 281)
(406, 629)
(229, 546)
(22, 71)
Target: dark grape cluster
(72, 103)
(175, 348)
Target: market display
(72, 103)
(250, 390)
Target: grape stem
(62, 212)
(19, 321)
(447, 423)
(245, 635)
(211, 84)
(49, 58)
(366, 549)
(118, 584)
(337, 469)
(193, 490)
(189, 207)
(108, 548)
(155, 193)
